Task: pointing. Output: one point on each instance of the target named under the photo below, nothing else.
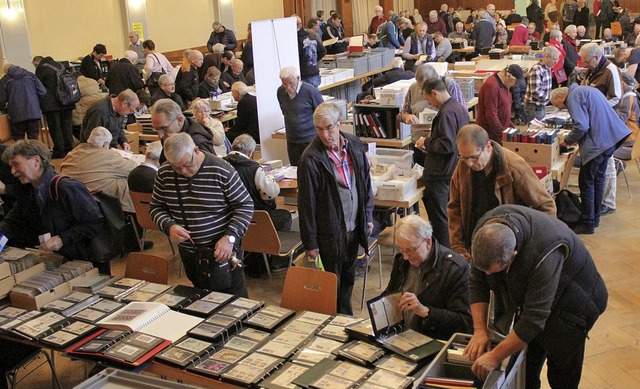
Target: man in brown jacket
(488, 175)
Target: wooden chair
(147, 267)
(141, 203)
(373, 246)
(262, 237)
(310, 289)
(134, 127)
(566, 172)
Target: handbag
(155, 76)
(560, 75)
(616, 29)
(210, 273)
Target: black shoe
(583, 229)
(605, 210)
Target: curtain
(362, 14)
(401, 5)
(325, 5)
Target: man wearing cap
(494, 101)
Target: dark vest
(246, 169)
(414, 44)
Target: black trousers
(435, 199)
(195, 271)
(294, 151)
(30, 127)
(562, 372)
(60, 129)
(344, 267)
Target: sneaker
(605, 210)
(583, 229)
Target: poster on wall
(137, 27)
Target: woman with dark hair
(155, 63)
(535, 15)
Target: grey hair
(29, 148)
(99, 136)
(571, 28)
(244, 143)
(397, 62)
(555, 34)
(153, 151)
(200, 103)
(168, 107)
(240, 87)
(425, 71)
(413, 225)
(129, 96)
(165, 79)
(493, 243)
(218, 48)
(177, 145)
(131, 55)
(550, 51)
(289, 72)
(472, 134)
(628, 79)
(327, 110)
(591, 50)
(482, 14)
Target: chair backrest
(310, 289)
(566, 173)
(635, 150)
(261, 236)
(5, 128)
(147, 267)
(141, 203)
(134, 127)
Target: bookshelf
(379, 124)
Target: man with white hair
(187, 81)
(247, 121)
(435, 24)
(232, 75)
(124, 75)
(582, 33)
(135, 44)
(297, 101)
(377, 20)
(141, 178)
(539, 84)
(396, 73)
(167, 90)
(418, 44)
(201, 203)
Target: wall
(178, 24)
(246, 11)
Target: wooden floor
(612, 353)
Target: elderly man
(168, 91)
(459, 32)
(443, 47)
(488, 175)
(247, 121)
(66, 225)
(494, 101)
(21, 92)
(534, 35)
(142, 177)
(520, 34)
(435, 24)
(417, 45)
(124, 75)
(599, 132)
(219, 208)
(167, 120)
(539, 84)
(263, 189)
(135, 44)
(111, 113)
(433, 281)
(232, 75)
(297, 101)
(441, 154)
(377, 20)
(582, 33)
(396, 73)
(484, 31)
(310, 51)
(221, 34)
(187, 81)
(545, 283)
(335, 200)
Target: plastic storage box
(399, 158)
(359, 65)
(387, 55)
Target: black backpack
(67, 89)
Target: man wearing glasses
(487, 176)
(432, 279)
(494, 101)
(167, 119)
(111, 113)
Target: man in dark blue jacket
(221, 34)
(21, 91)
(335, 200)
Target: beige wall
(68, 29)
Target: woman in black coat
(535, 15)
(581, 17)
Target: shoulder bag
(155, 76)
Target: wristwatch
(231, 239)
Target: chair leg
(53, 369)
(139, 238)
(173, 250)
(624, 174)
(266, 263)
(364, 284)
(379, 265)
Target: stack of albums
(49, 279)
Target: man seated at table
(262, 188)
(167, 91)
(443, 47)
(396, 73)
(232, 75)
(459, 33)
(433, 281)
(488, 175)
(141, 178)
(111, 113)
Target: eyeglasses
(411, 250)
(186, 166)
(165, 128)
(473, 158)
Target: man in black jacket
(221, 34)
(335, 200)
(124, 75)
(111, 112)
(247, 121)
(545, 283)
(187, 81)
(90, 66)
(310, 51)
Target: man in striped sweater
(200, 202)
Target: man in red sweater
(494, 101)
(377, 20)
(434, 24)
(520, 34)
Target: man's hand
(483, 365)
(312, 253)
(3, 188)
(369, 228)
(178, 234)
(409, 302)
(420, 143)
(126, 146)
(479, 344)
(53, 244)
(410, 118)
(223, 250)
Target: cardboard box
(536, 154)
(392, 97)
(28, 273)
(5, 270)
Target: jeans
(313, 80)
(534, 111)
(344, 267)
(591, 182)
(294, 151)
(435, 199)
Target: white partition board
(275, 46)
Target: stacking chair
(12, 375)
(566, 173)
(148, 267)
(141, 203)
(262, 237)
(310, 289)
(373, 246)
